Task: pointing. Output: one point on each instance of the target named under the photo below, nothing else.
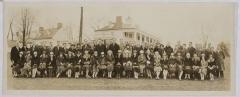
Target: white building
(123, 32)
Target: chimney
(41, 29)
(118, 23)
(59, 25)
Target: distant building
(54, 34)
(123, 32)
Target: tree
(25, 23)
(10, 29)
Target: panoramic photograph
(153, 46)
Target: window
(138, 36)
(147, 39)
(126, 34)
(143, 38)
(130, 35)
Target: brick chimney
(41, 29)
(119, 22)
(59, 25)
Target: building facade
(123, 33)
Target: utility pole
(81, 26)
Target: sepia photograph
(81, 46)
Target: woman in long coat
(180, 65)
(86, 63)
(164, 62)
(110, 61)
(157, 64)
(95, 64)
(149, 63)
(142, 61)
(203, 67)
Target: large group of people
(98, 60)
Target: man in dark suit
(15, 52)
(168, 49)
(18, 64)
(35, 48)
(57, 49)
(14, 57)
(114, 47)
(86, 46)
(191, 49)
(100, 47)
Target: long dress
(203, 68)
(110, 61)
(157, 63)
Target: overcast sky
(168, 21)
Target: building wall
(121, 37)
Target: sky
(169, 22)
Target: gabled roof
(47, 33)
(117, 25)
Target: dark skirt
(188, 70)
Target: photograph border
(232, 92)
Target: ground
(116, 84)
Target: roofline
(113, 29)
(42, 38)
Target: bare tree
(26, 23)
(10, 29)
